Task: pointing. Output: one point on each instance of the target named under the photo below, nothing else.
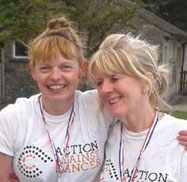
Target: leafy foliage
(100, 18)
(23, 20)
(174, 11)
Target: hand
(183, 138)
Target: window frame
(14, 51)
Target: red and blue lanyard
(51, 142)
(143, 148)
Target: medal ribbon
(143, 148)
(67, 136)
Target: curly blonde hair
(126, 54)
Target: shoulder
(89, 106)
(174, 122)
(87, 94)
(22, 106)
(89, 97)
(167, 129)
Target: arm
(5, 167)
(182, 137)
(13, 177)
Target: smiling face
(57, 80)
(120, 93)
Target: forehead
(98, 71)
(58, 60)
(48, 49)
(100, 74)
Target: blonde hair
(125, 54)
(58, 38)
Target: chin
(118, 112)
(115, 114)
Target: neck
(56, 108)
(139, 121)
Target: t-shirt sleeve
(8, 122)
(93, 106)
(12, 123)
(184, 159)
(184, 167)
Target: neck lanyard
(143, 148)
(59, 171)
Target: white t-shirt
(164, 159)
(23, 136)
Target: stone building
(16, 81)
(173, 47)
(15, 78)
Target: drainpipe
(2, 75)
(182, 67)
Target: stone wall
(17, 78)
(18, 81)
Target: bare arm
(5, 167)
(13, 177)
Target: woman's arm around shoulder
(182, 137)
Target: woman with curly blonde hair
(142, 144)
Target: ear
(83, 69)
(146, 86)
(149, 76)
(145, 89)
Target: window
(173, 74)
(179, 56)
(165, 55)
(19, 50)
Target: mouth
(114, 100)
(56, 87)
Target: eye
(99, 83)
(114, 78)
(44, 68)
(66, 67)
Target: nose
(106, 87)
(55, 74)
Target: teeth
(113, 101)
(56, 87)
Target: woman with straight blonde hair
(59, 134)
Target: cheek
(73, 78)
(101, 97)
(40, 83)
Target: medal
(59, 180)
(52, 144)
(144, 146)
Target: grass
(179, 114)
